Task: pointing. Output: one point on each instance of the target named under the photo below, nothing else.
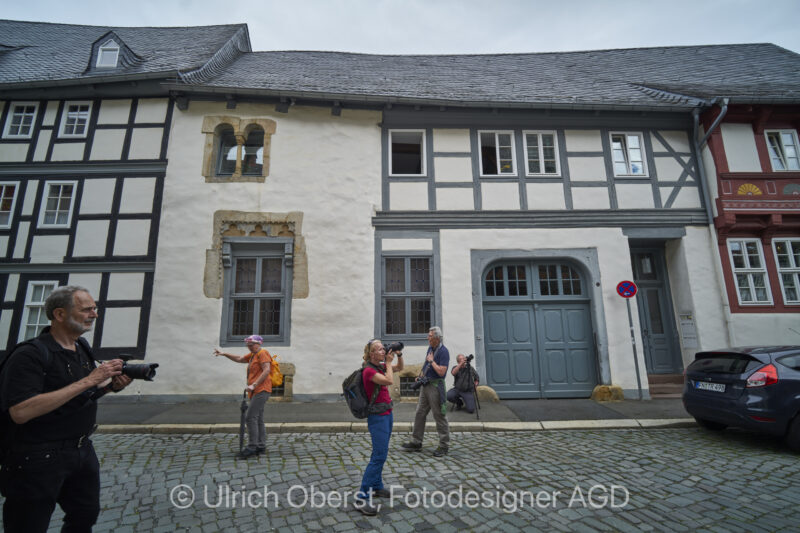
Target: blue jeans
(380, 429)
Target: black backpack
(6, 424)
(356, 395)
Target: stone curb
(361, 427)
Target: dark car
(755, 388)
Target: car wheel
(793, 435)
(710, 424)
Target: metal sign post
(627, 289)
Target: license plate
(714, 387)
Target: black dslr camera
(145, 371)
(470, 357)
(421, 382)
(396, 346)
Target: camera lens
(146, 371)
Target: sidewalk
(163, 416)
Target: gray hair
(437, 332)
(62, 297)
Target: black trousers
(33, 482)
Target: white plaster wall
(137, 195)
(740, 147)
(114, 111)
(68, 152)
(30, 198)
(324, 166)
(688, 197)
(43, 142)
(634, 196)
(50, 113)
(695, 288)
(120, 327)
(151, 110)
(677, 141)
(614, 262)
(583, 140)
(97, 197)
(132, 237)
(90, 238)
(451, 140)
(5, 323)
(765, 328)
(90, 281)
(125, 285)
(13, 153)
(49, 248)
(22, 239)
(587, 169)
(107, 144)
(455, 199)
(453, 169)
(545, 196)
(668, 169)
(388, 245)
(11, 288)
(146, 143)
(408, 196)
(590, 198)
(500, 196)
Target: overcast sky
(448, 26)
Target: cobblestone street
(681, 479)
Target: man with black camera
(48, 391)
(462, 393)
(431, 395)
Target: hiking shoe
(246, 453)
(411, 447)
(440, 452)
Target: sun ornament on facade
(748, 189)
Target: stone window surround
(256, 224)
(241, 129)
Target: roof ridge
(110, 27)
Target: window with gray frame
(407, 296)
(252, 153)
(258, 287)
(627, 150)
(783, 150)
(523, 280)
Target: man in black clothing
(461, 395)
(51, 398)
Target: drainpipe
(704, 185)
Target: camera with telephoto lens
(470, 357)
(421, 382)
(145, 371)
(396, 346)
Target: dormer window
(108, 54)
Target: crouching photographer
(463, 392)
(49, 387)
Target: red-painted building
(753, 170)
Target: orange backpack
(275, 372)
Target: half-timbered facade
(83, 154)
(340, 197)
(754, 168)
(322, 199)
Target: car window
(722, 363)
(791, 361)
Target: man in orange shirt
(259, 388)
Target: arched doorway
(538, 333)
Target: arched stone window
(236, 149)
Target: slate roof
(662, 78)
(39, 53)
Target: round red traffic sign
(626, 289)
